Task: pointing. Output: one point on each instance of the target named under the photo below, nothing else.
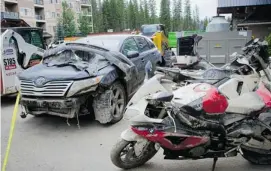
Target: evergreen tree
(126, 15)
(106, 14)
(95, 16)
(176, 15)
(142, 19)
(84, 25)
(194, 24)
(120, 14)
(68, 20)
(197, 14)
(165, 13)
(136, 13)
(152, 8)
(131, 15)
(59, 30)
(205, 22)
(146, 12)
(187, 16)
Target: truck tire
(118, 149)
(259, 157)
(114, 106)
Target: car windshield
(149, 29)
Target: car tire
(111, 102)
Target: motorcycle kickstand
(214, 163)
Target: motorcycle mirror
(243, 61)
(256, 40)
(234, 54)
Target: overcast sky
(206, 7)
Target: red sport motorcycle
(200, 120)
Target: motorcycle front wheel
(123, 154)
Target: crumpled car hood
(54, 73)
(72, 72)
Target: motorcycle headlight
(83, 86)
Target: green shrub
(268, 39)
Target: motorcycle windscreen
(152, 86)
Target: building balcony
(40, 18)
(85, 3)
(38, 3)
(10, 15)
(11, 1)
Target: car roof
(111, 42)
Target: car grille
(52, 88)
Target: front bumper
(66, 107)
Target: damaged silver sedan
(82, 79)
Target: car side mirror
(132, 54)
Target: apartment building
(44, 13)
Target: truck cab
(150, 29)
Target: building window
(51, 1)
(47, 15)
(58, 14)
(27, 12)
(53, 15)
(54, 28)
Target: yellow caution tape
(11, 131)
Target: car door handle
(142, 60)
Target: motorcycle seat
(245, 104)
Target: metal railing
(38, 2)
(10, 15)
(85, 2)
(40, 17)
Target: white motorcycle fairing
(152, 86)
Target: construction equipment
(22, 47)
(158, 34)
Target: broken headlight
(83, 86)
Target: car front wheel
(109, 106)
